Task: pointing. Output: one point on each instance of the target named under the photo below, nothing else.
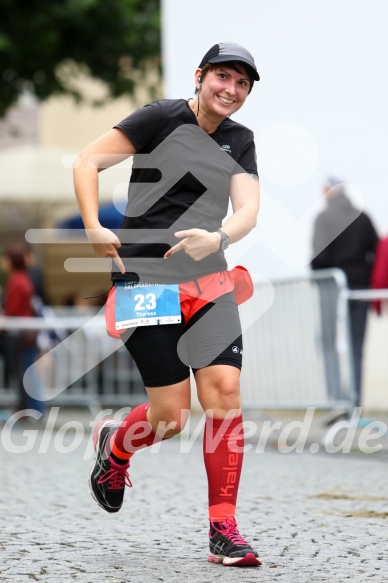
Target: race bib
(141, 304)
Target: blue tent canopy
(110, 216)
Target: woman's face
(224, 90)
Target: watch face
(224, 240)
(225, 243)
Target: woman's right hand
(105, 243)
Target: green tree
(46, 46)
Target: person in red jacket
(19, 289)
(20, 347)
(379, 277)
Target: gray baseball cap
(224, 52)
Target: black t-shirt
(180, 180)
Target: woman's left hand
(197, 243)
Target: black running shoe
(228, 547)
(107, 479)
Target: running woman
(169, 269)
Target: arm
(106, 151)
(245, 198)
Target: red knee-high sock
(134, 433)
(223, 454)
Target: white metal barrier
(296, 351)
(78, 363)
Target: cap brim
(227, 58)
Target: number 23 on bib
(138, 304)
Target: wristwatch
(224, 240)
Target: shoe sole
(250, 560)
(96, 439)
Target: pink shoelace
(117, 476)
(229, 529)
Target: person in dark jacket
(352, 251)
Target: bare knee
(228, 395)
(220, 395)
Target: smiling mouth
(225, 100)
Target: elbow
(83, 166)
(253, 216)
(77, 164)
(78, 161)
(252, 223)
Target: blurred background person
(353, 252)
(36, 275)
(379, 278)
(20, 346)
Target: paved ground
(314, 517)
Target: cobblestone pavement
(313, 517)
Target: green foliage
(44, 45)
